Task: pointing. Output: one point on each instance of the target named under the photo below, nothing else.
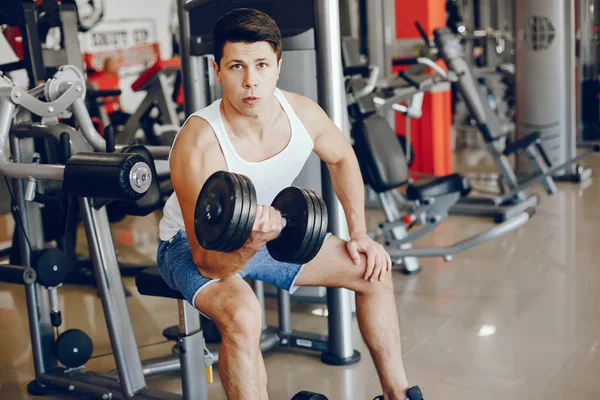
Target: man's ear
(279, 66)
(217, 71)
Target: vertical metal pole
(283, 305)
(33, 51)
(332, 98)
(112, 294)
(375, 36)
(69, 21)
(570, 67)
(191, 353)
(40, 328)
(192, 68)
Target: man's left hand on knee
(377, 258)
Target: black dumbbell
(226, 209)
(306, 395)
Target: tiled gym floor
(517, 318)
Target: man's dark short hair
(245, 25)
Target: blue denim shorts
(178, 270)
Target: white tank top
(269, 176)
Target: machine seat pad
(380, 154)
(426, 189)
(150, 283)
(159, 66)
(522, 143)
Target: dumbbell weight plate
(240, 238)
(215, 229)
(321, 225)
(230, 244)
(246, 229)
(305, 255)
(306, 395)
(300, 255)
(299, 211)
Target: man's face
(248, 73)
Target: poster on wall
(132, 41)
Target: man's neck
(253, 127)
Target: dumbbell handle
(284, 220)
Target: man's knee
(362, 286)
(239, 320)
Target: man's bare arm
(196, 155)
(336, 151)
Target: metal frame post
(112, 294)
(332, 98)
(192, 68)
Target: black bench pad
(423, 190)
(150, 283)
(522, 143)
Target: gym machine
(545, 87)
(94, 178)
(512, 199)
(302, 24)
(162, 128)
(39, 61)
(151, 283)
(426, 203)
(87, 176)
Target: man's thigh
(333, 267)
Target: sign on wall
(133, 42)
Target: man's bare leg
(375, 310)
(234, 308)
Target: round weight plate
(313, 220)
(302, 255)
(228, 243)
(250, 213)
(320, 231)
(294, 204)
(213, 228)
(62, 80)
(237, 240)
(232, 244)
(52, 267)
(73, 348)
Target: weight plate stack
(218, 212)
(297, 207)
(300, 256)
(239, 239)
(246, 228)
(321, 225)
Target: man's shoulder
(296, 99)
(196, 133)
(303, 106)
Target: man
(266, 134)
